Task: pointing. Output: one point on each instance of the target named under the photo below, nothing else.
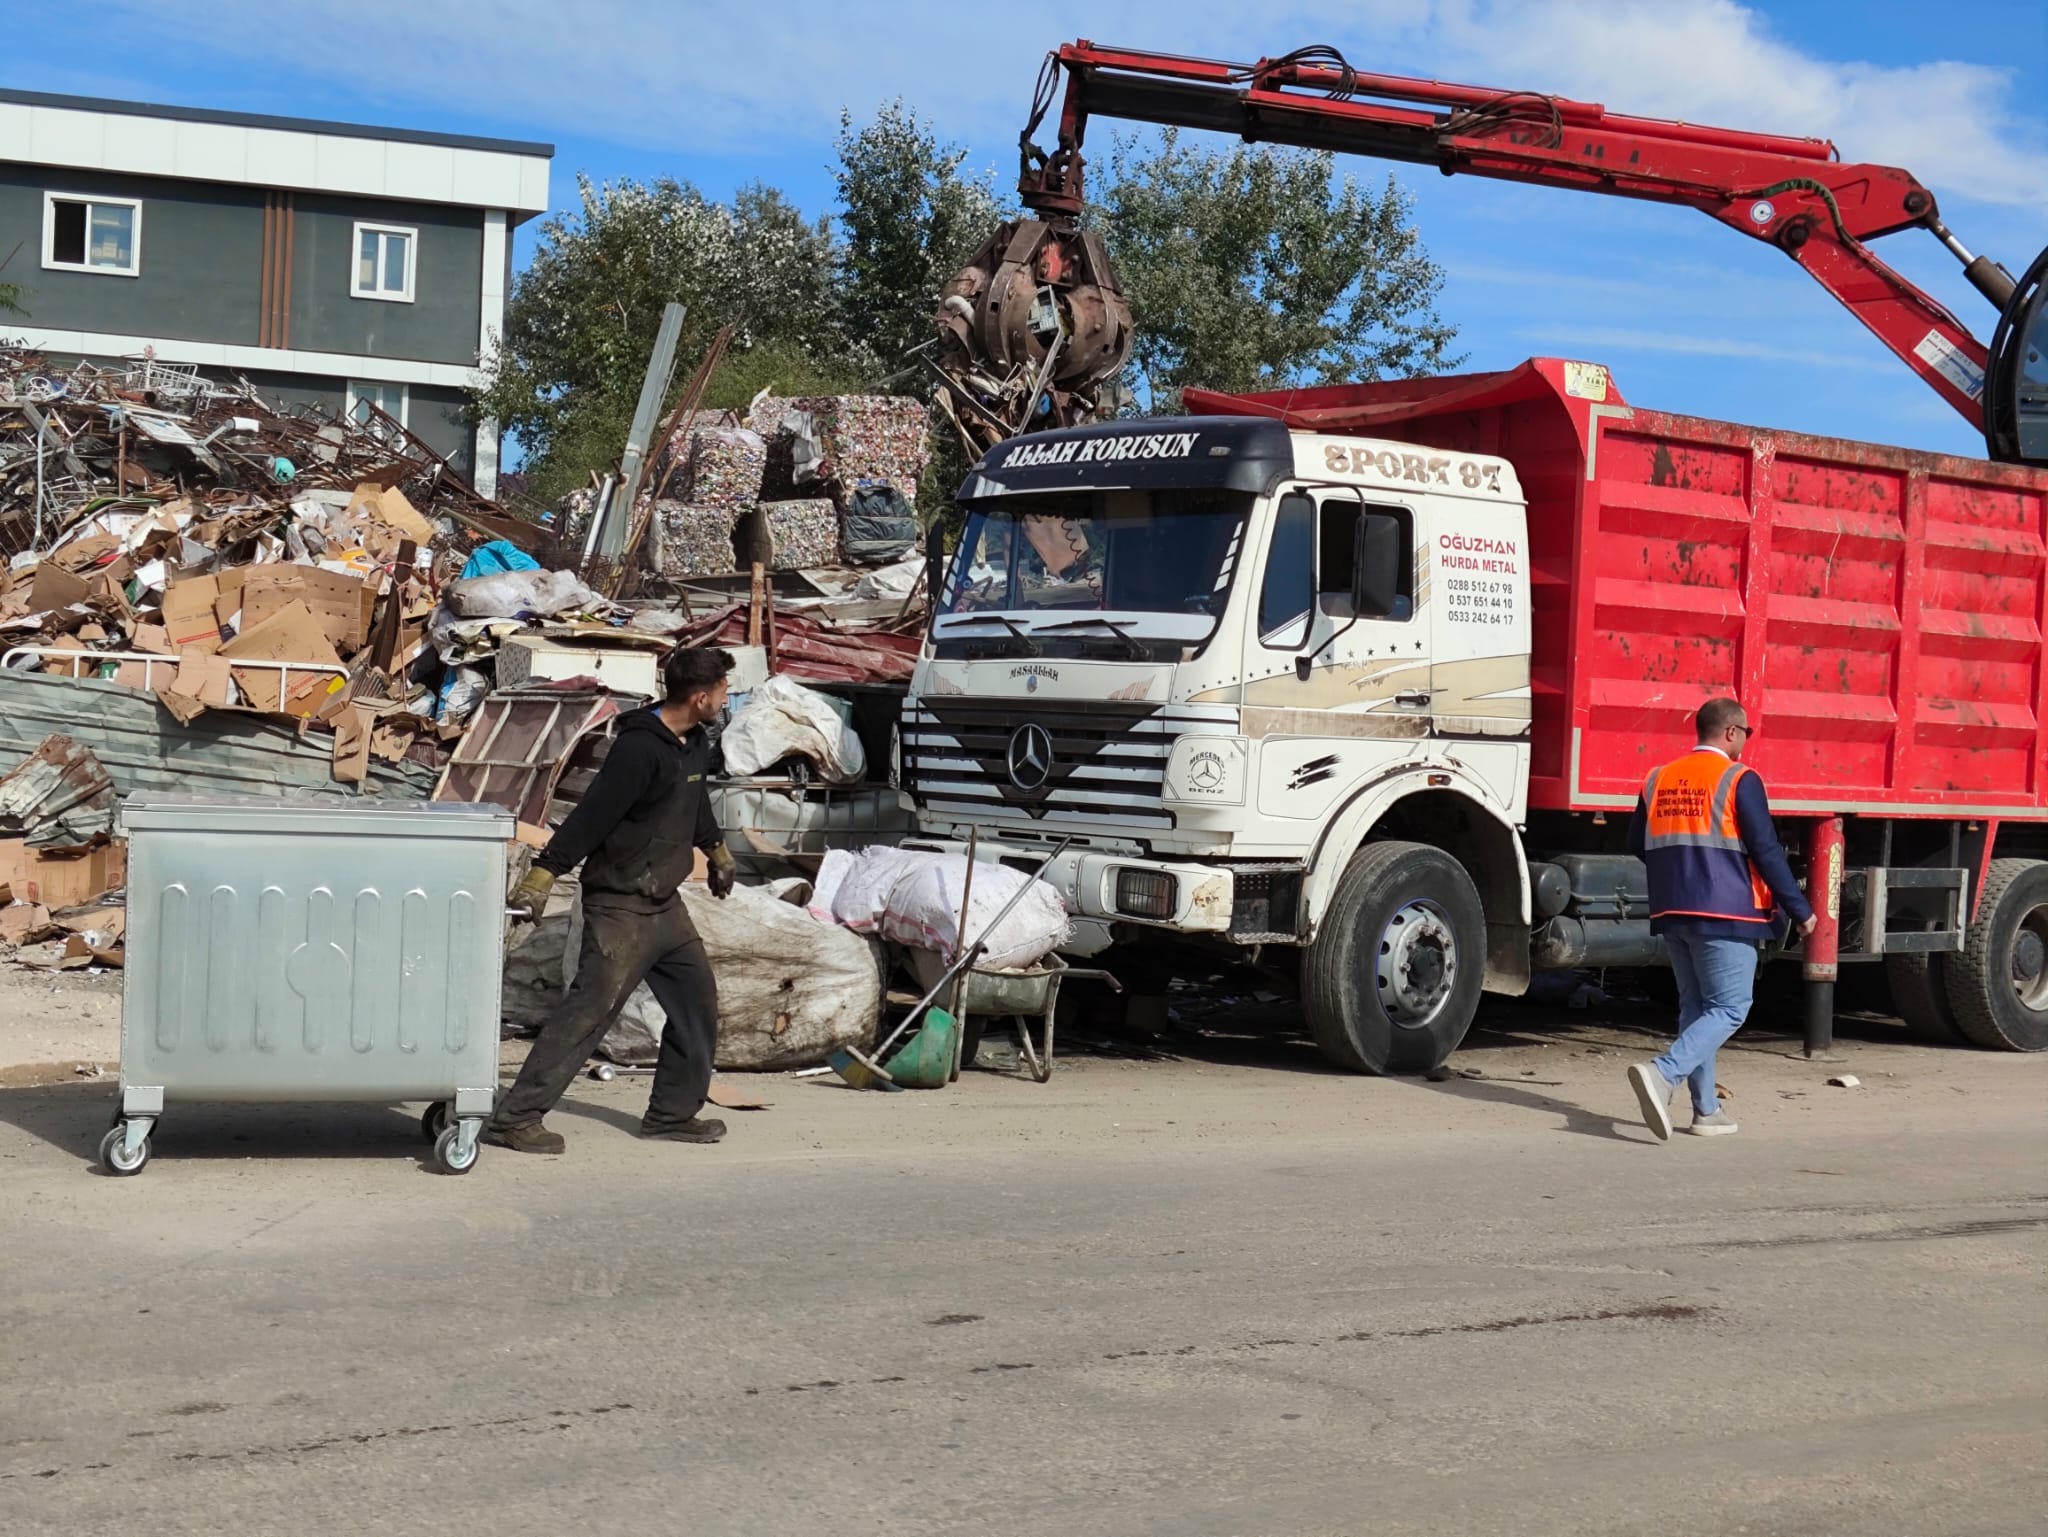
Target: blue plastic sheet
(498, 556)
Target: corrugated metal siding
(145, 748)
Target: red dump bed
(1879, 611)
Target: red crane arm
(1790, 192)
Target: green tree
(908, 220)
(1256, 268)
(10, 299)
(583, 315)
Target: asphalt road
(1223, 1296)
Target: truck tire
(1998, 981)
(1392, 978)
(1919, 988)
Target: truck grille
(1102, 761)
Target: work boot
(533, 1138)
(695, 1129)
(1719, 1124)
(1653, 1093)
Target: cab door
(1332, 692)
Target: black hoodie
(635, 827)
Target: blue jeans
(1716, 978)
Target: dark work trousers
(623, 945)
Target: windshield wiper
(1137, 649)
(1031, 647)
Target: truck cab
(1215, 653)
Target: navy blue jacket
(1760, 842)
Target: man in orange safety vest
(1717, 871)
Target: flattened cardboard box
(335, 598)
(189, 619)
(292, 634)
(56, 588)
(54, 882)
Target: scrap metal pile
(168, 533)
(203, 591)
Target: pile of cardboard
(306, 611)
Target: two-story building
(323, 262)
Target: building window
(391, 399)
(92, 234)
(384, 262)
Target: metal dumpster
(285, 950)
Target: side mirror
(1376, 565)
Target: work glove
(530, 896)
(722, 872)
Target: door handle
(1421, 698)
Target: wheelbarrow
(983, 993)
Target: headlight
(1147, 893)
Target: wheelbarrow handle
(1090, 974)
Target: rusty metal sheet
(519, 744)
(812, 652)
(59, 796)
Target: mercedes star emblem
(1030, 757)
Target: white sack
(853, 888)
(791, 990)
(890, 582)
(782, 719)
(913, 897)
(515, 594)
(924, 911)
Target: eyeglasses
(1747, 731)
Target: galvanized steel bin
(299, 950)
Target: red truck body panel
(1878, 611)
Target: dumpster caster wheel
(115, 1157)
(454, 1154)
(435, 1120)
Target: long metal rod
(661, 365)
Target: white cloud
(722, 77)
(1691, 344)
(1954, 125)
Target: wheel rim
(2030, 960)
(1417, 964)
(119, 1156)
(453, 1154)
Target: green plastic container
(925, 1061)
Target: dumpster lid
(326, 817)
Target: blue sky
(1691, 316)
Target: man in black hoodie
(634, 833)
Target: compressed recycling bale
(862, 439)
(696, 540)
(801, 535)
(872, 438)
(718, 467)
(772, 418)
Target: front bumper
(1089, 881)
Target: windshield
(1075, 553)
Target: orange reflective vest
(1692, 845)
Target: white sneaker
(1719, 1124)
(1653, 1093)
